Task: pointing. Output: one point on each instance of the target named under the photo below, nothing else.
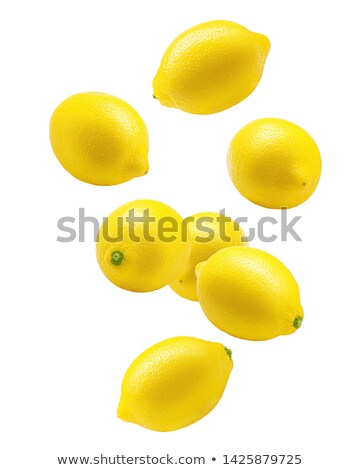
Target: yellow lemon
(140, 246)
(211, 67)
(274, 163)
(99, 139)
(174, 383)
(208, 232)
(249, 294)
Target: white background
(68, 335)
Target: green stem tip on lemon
(297, 322)
(117, 258)
(228, 352)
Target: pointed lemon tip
(145, 170)
(121, 414)
(199, 267)
(142, 169)
(263, 43)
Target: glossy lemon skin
(211, 67)
(174, 383)
(99, 139)
(249, 293)
(274, 163)
(224, 233)
(149, 261)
